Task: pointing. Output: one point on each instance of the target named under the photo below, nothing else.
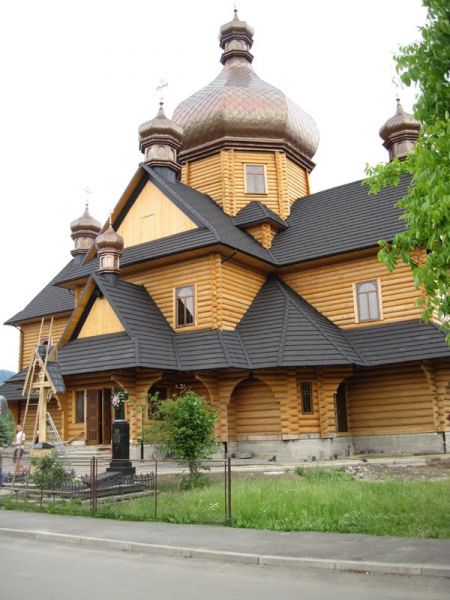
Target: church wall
(330, 289)
(205, 175)
(162, 281)
(151, 217)
(394, 399)
(297, 182)
(240, 284)
(101, 320)
(31, 336)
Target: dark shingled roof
(281, 329)
(399, 342)
(12, 388)
(50, 300)
(341, 219)
(55, 375)
(256, 212)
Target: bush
(185, 428)
(48, 472)
(7, 430)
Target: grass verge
(311, 500)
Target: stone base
(124, 467)
(317, 449)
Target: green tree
(48, 471)
(7, 428)
(426, 207)
(185, 427)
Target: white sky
(78, 78)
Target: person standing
(19, 442)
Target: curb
(428, 570)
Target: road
(47, 571)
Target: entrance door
(341, 409)
(93, 417)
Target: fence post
(228, 491)
(156, 489)
(93, 485)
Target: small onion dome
(84, 231)
(159, 141)
(85, 223)
(238, 109)
(400, 133)
(109, 240)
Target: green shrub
(48, 472)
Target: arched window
(367, 301)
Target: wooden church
(220, 270)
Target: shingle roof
(399, 342)
(256, 212)
(341, 219)
(50, 300)
(281, 329)
(12, 388)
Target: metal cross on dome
(160, 87)
(88, 193)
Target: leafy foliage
(48, 472)
(7, 429)
(186, 428)
(427, 205)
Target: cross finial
(88, 193)
(159, 88)
(110, 218)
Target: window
(306, 397)
(185, 306)
(79, 407)
(367, 301)
(255, 179)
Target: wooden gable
(152, 216)
(101, 320)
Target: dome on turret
(400, 133)
(239, 109)
(84, 230)
(109, 239)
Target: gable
(153, 216)
(100, 320)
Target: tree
(7, 429)
(185, 426)
(426, 207)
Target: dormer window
(367, 300)
(255, 179)
(185, 305)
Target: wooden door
(341, 409)
(92, 417)
(106, 413)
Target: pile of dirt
(430, 470)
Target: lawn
(312, 500)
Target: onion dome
(238, 109)
(109, 249)
(400, 133)
(159, 141)
(84, 231)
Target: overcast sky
(78, 78)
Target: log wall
(222, 176)
(151, 217)
(330, 289)
(239, 287)
(101, 320)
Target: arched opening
(171, 385)
(340, 400)
(253, 411)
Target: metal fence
(166, 490)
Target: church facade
(221, 271)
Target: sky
(78, 78)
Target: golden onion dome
(109, 239)
(401, 121)
(160, 128)
(85, 223)
(238, 108)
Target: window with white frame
(185, 305)
(255, 179)
(367, 300)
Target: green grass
(311, 500)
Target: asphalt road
(46, 571)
